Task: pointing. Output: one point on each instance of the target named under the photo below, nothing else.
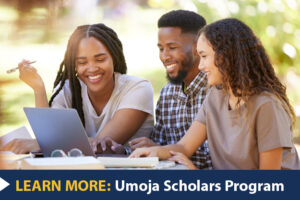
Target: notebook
(87, 162)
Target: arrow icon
(3, 184)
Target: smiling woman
(91, 54)
(246, 116)
(92, 79)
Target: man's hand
(141, 142)
(21, 146)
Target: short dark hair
(188, 21)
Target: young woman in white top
(92, 79)
(246, 116)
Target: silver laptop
(58, 129)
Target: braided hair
(67, 68)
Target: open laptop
(58, 129)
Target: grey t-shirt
(235, 139)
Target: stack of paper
(87, 162)
(115, 162)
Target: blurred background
(39, 30)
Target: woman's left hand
(93, 142)
(181, 159)
(106, 145)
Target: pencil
(14, 69)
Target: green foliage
(276, 23)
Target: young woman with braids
(92, 79)
(246, 117)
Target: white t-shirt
(129, 92)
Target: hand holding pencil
(14, 69)
(30, 76)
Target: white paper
(21, 132)
(117, 162)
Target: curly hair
(243, 62)
(67, 68)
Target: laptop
(58, 129)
